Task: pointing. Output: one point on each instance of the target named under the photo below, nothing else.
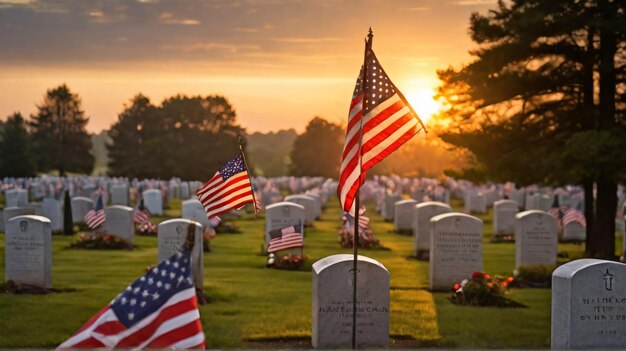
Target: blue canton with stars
(148, 293)
(232, 167)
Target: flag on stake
(95, 217)
(159, 310)
(229, 189)
(379, 122)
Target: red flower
(478, 275)
(456, 287)
(486, 276)
(509, 279)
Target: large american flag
(286, 238)
(229, 189)
(95, 217)
(381, 119)
(158, 310)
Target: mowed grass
(251, 303)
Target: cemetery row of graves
(425, 243)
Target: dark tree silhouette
(16, 153)
(60, 139)
(543, 101)
(187, 137)
(317, 152)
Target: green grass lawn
(252, 305)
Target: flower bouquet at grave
(533, 276)
(503, 238)
(483, 290)
(290, 262)
(367, 239)
(101, 241)
(146, 229)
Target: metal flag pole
(243, 156)
(357, 202)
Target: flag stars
(155, 296)
(131, 316)
(133, 302)
(145, 293)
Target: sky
(278, 62)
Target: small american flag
(380, 121)
(142, 218)
(286, 238)
(95, 217)
(228, 190)
(158, 310)
(573, 215)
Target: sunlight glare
(423, 103)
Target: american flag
(286, 238)
(95, 217)
(142, 218)
(380, 120)
(158, 310)
(573, 215)
(229, 189)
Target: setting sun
(423, 103)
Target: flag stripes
(380, 121)
(158, 310)
(228, 189)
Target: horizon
(271, 59)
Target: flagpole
(243, 155)
(357, 200)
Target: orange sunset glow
(278, 62)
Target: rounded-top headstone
(536, 239)
(589, 305)
(28, 255)
(421, 229)
(333, 300)
(171, 237)
(403, 215)
(456, 249)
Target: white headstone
(119, 222)
(504, 212)
(403, 218)
(28, 255)
(421, 231)
(536, 239)
(192, 209)
(119, 195)
(333, 302)
(16, 198)
(282, 215)
(574, 231)
(388, 207)
(456, 249)
(172, 235)
(52, 209)
(10, 212)
(311, 206)
(80, 207)
(588, 299)
(153, 200)
(476, 203)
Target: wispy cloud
(223, 47)
(309, 40)
(476, 2)
(415, 9)
(168, 18)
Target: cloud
(212, 46)
(415, 9)
(308, 40)
(168, 18)
(476, 2)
